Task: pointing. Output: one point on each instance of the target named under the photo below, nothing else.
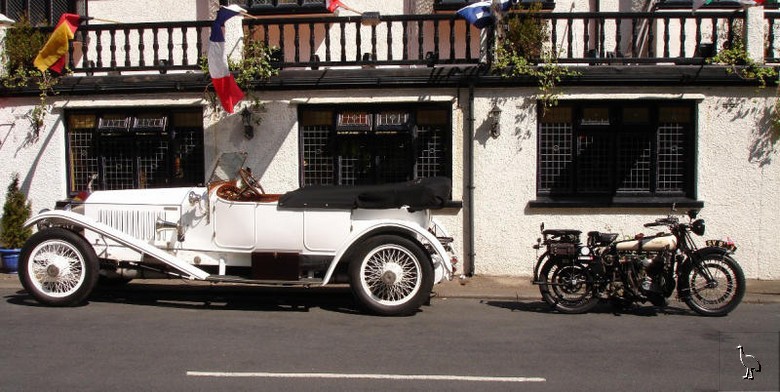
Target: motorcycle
(573, 277)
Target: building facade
(409, 90)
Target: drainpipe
(469, 140)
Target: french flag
(224, 83)
(479, 15)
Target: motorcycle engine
(651, 278)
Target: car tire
(391, 275)
(58, 267)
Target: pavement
(486, 287)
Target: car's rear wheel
(58, 267)
(391, 275)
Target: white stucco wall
(138, 11)
(738, 179)
(738, 176)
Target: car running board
(237, 279)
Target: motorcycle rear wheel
(567, 287)
(721, 294)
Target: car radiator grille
(136, 223)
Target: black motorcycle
(573, 277)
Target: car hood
(161, 196)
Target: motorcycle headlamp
(584, 251)
(698, 227)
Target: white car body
(197, 233)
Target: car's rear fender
(440, 257)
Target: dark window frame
(576, 177)
(173, 155)
(42, 12)
(429, 148)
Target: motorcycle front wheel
(567, 287)
(715, 287)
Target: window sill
(614, 202)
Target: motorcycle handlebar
(663, 222)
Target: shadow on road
(602, 308)
(219, 297)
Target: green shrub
(15, 212)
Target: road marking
(415, 377)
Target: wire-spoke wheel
(567, 287)
(391, 275)
(58, 267)
(715, 287)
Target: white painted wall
(738, 178)
(139, 11)
(738, 167)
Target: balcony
(403, 42)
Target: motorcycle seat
(563, 232)
(599, 238)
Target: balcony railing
(417, 40)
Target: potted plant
(16, 211)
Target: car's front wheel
(58, 267)
(391, 275)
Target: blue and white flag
(479, 14)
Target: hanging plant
(255, 65)
(520, 52)
(739, 63)
(22, 44)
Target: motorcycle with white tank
(573, 277)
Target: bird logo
(750, 363)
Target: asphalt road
(189, 339)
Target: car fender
(441, 258)
(687, 265)
(69, 218)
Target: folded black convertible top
(422, 193)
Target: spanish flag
(52, 55)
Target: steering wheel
(251, 185)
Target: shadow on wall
(31, 141)
(228, 136)
(766, 135)
(483, 133)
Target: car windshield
(227, 167)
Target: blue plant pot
(10, 260)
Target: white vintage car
(380, 239)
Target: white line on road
(433, 377)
